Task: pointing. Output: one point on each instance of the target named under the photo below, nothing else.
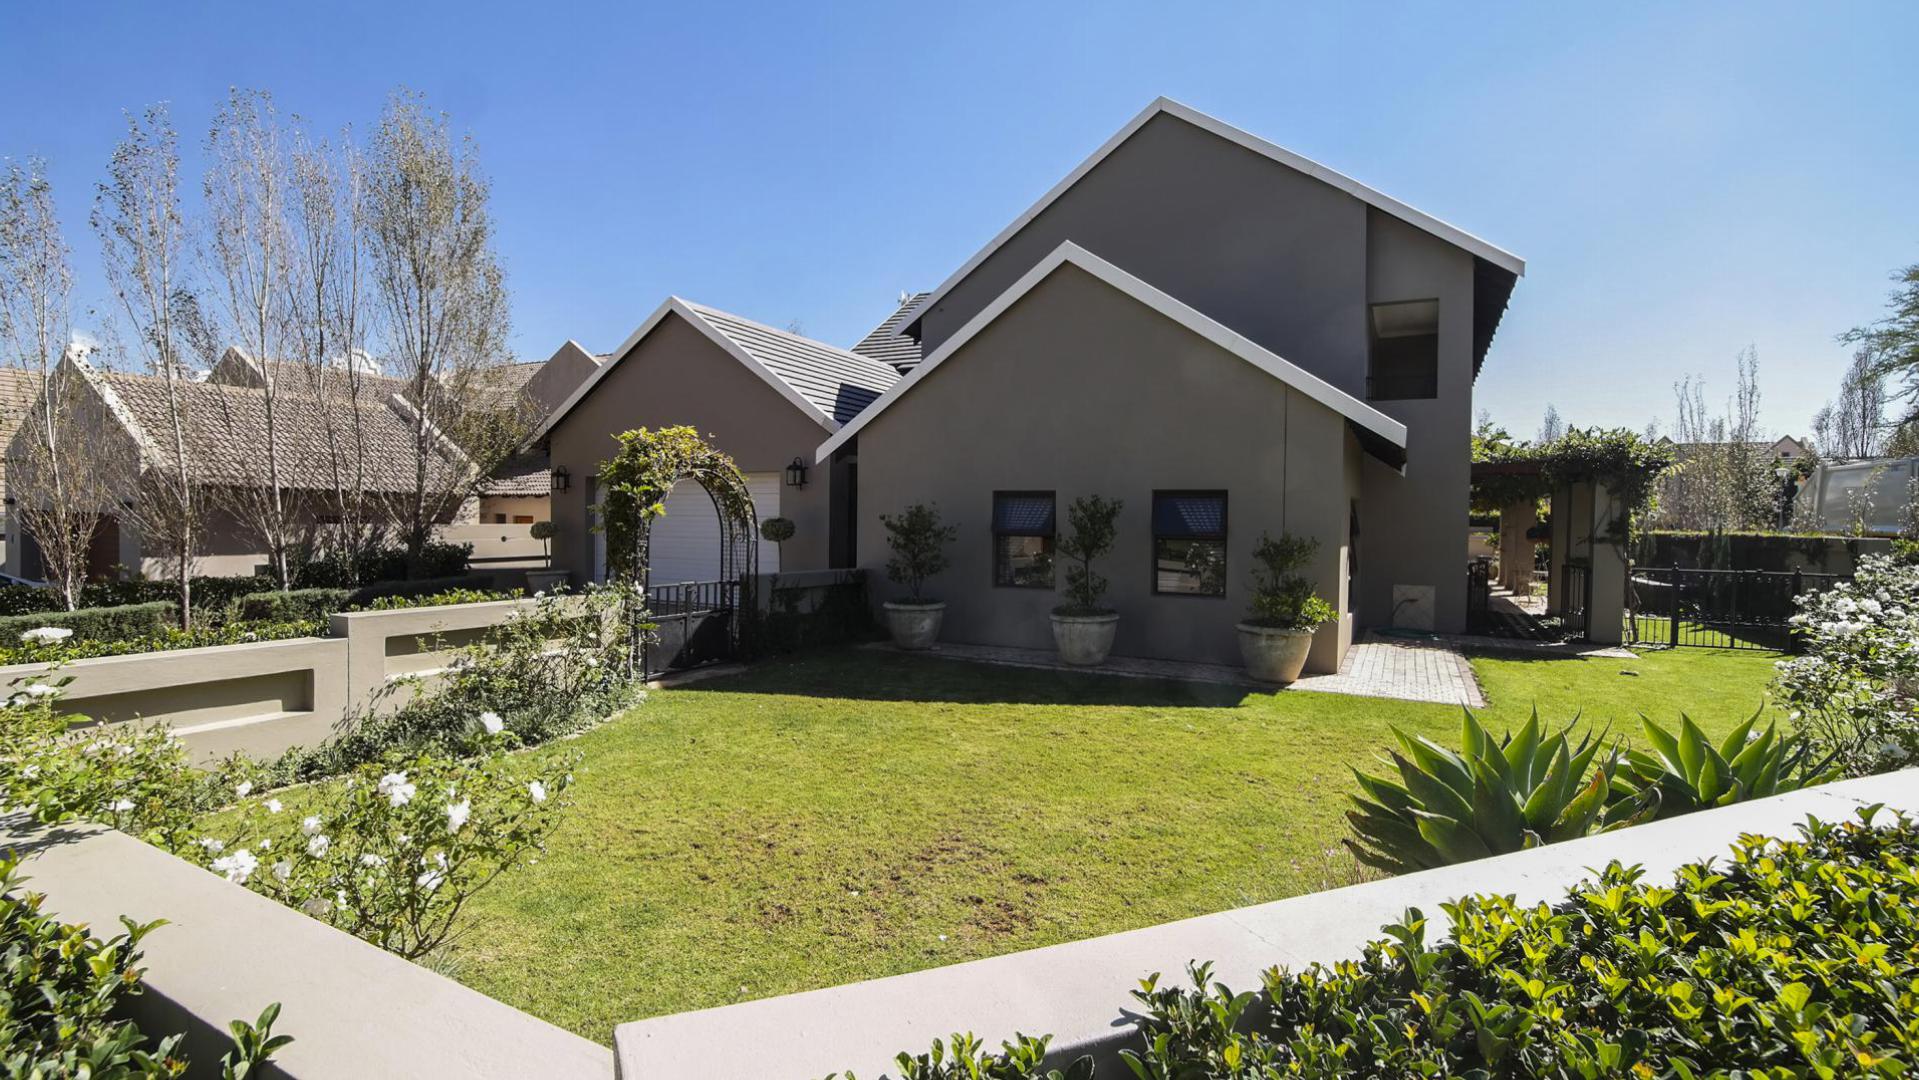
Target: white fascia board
(1182, 313)
(1454, 235)
(673, 305)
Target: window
(1023, 539)
(1405, 351)
(1189, 543)
(522, 519)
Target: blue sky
(1684, 180)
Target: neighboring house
(19, 389)
(1232, 339)
(225, 447)
(764, 396)
(1784, 448)
(519, 491)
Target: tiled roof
(19, 388)
(837, 382)
(526, 475)
(886, 344)
(226, 434)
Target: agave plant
(1685, 772)
(1487, 798)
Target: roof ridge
(708, 309)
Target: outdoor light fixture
(562, 480)
(796, 474)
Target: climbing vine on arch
(636, 480)
(1623, 461)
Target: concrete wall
(1077, 992)
(679, 376)
(1079, 389)
(1292, 263)
(226, 953)
(512, 506)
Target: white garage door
(685, 542)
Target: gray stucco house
(1229, 337)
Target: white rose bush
(1855, 689)
(393, 851)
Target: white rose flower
(310, 825)
(212, 845)
(372, 860)
(317, 846)
(430, 880)
(492, 723)
(457, 815)
(42, 690)
(282, 870)
(46, 635)
(537, 790)
(274, 806)
(237, 867)
(397, 790)
(120, 807)
(243, 789)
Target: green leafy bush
(365, 596)
(918, 541)
(1281, 596)
(95, 624)
(437, 560)
(1855, 689)
(1090, 534)
(167, 638)
(777, 529)
(1685, 772)
(293, 605)
(442, 599)
(62, 996)
(1795, 958)
(1488, 798)
(969, 1059)
(213, 597)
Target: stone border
(1077, 992)
(225, 953)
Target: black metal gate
(694, 623)
(1718, 609)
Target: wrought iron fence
(1575, 598)
(693, 624)
(1717, 609)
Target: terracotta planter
(1274, 655)
(915, 626)
(1084, 640)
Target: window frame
(992, 563)
(1224, 538)
(1373, 338)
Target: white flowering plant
(393, 851)
(1855, 688)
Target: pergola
(1586, 582)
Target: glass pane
(1023, 561)
(1026, 515)
(1191, 567)
(1198, 516)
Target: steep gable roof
(830, 385)
(887, 342)
(1498, 257)
(19, 389)
(1373, 426)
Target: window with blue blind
(1023, 528)
(1189, 543)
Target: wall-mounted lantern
(796, 474)
(562, 480)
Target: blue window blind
(1196, 517)
(1023, 515)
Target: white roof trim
(1184, 314)
(691, 313)
(1451, 234)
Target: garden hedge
(295, 605)
(120, 623)
(1795, 958)
(361, 597)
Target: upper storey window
(1405, 351)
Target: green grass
(854, 814)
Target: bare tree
(328, 302)
(1551, 428)
(444, 302)
(1724, 478)
(249, 246)
(54, 479)
(142, 238)
(1853, 425)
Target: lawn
(854, 814)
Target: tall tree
(1893, 341)
(1724, 479)
(443, 298)
(142, 239)
(1853, 425)
(250, 246)
(1551, 428)
(54, 480)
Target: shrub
(366, 595)
(777, 529)
(1487, 799)
(397, 601)
(1685, 772)
(63, 994)
(1796, 958)
(1090, 519)
(331, 570)
(214, 597)
(393, 852)
(168, 638)
(1855, 690)
(95, 624)
(919, 544)
(27, 599)
(294, 605)
(1281, 596)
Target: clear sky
(1684, 180)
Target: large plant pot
(915, 626)
(1274, 655)
(1085, 640)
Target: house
(518, 492)
(764, 396)
(1232, 339)
(19, 389)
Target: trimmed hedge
(294, 606)
(211, 594)
(423, 587)
(97, 624)
(437, 560)
(1795, 958)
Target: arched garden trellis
(635, 484)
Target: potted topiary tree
(1286, 610)
(547, 579)
(1083, 629)
(918, 541)
(778, 530)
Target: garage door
(685, 542)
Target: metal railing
(692, 624)
(1718, 609)
(1575, 597)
